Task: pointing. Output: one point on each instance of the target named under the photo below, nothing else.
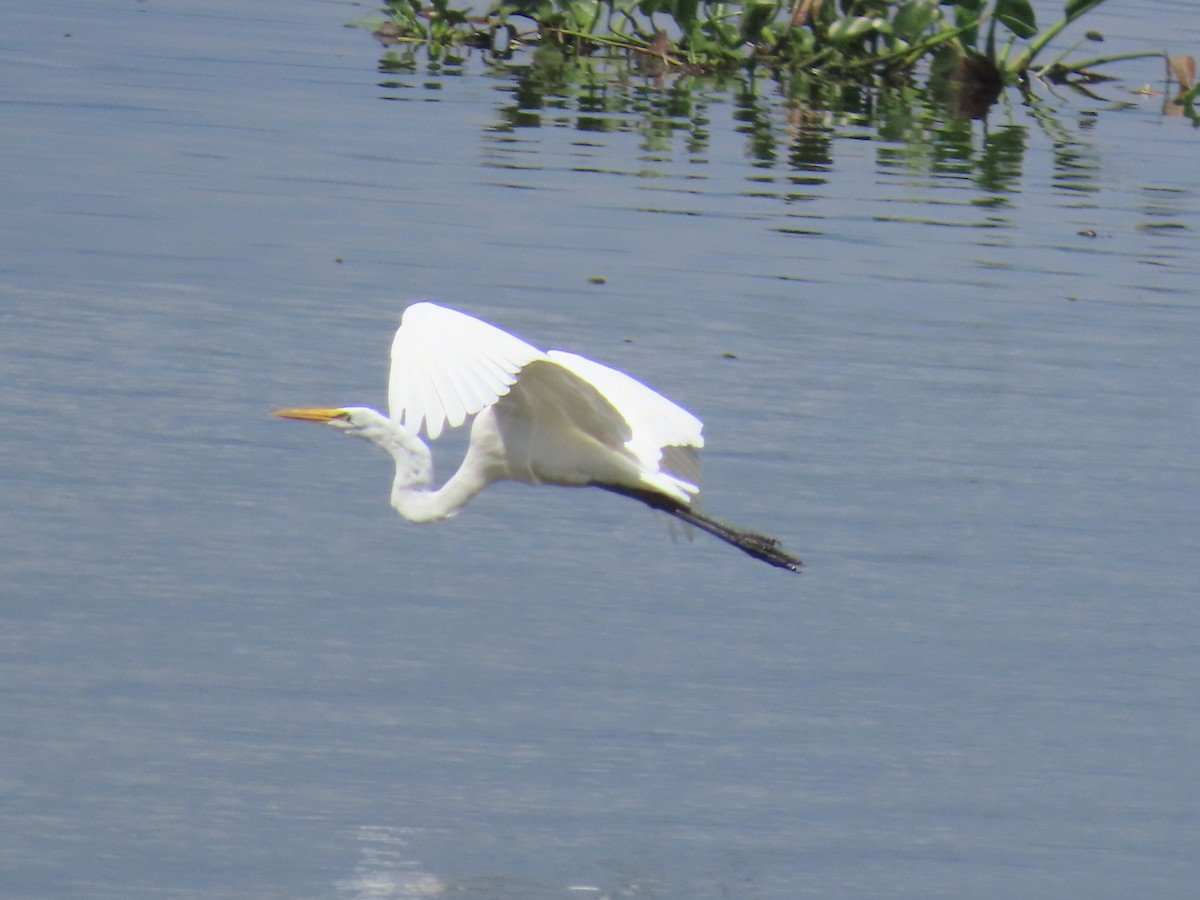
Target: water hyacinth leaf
(756, 17)
(966, 18)
(699, 43)
(1186, 103)
(685, 13)
(584, 14)
(915, 17)
(853, 28)
(1075, 8)
(968, 11)
(1017, 16)
(715, 35)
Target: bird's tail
(757, 545)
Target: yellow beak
(310, 415)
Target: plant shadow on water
(957, 126)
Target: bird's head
(362, 422)
(414, 465)
(356, 420)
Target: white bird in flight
(540, 418)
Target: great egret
(540, 418)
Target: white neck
(412, 489)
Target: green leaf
(1076, 8)
(685, 13)
(914, 18)
(1017, 16)
(966, 19)
(852, 28)
(370, 23)
(698, 44)
(756, 17)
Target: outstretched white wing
(656, 422)
(447, 366)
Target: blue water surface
(952, 365)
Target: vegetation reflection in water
(789, 131)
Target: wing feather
(655, 421)
(447, 366)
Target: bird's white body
(539, 417)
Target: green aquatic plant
(856, 38)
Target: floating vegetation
(970, 49)
(846, 36)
